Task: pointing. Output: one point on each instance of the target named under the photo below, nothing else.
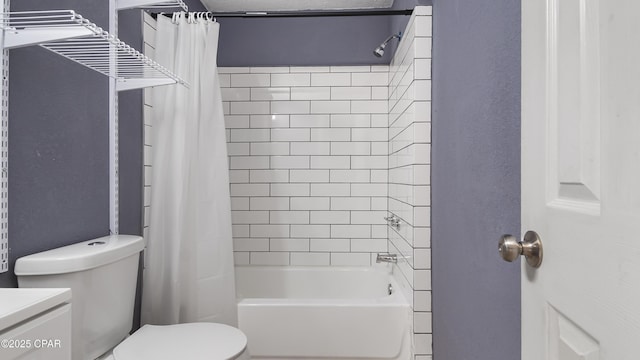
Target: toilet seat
(194, 341)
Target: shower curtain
(188, 273)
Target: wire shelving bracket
(68, 34)
(4, 159)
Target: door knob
(531, 247)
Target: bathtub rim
(397, 298)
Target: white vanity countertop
(19, 304)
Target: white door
(581, 178)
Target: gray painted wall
(58, 148)
(130, 135)
(302, 41)
(195, 5)
(475, 178)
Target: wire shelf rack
(68, 34)
(152, 4)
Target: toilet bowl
(102, 275)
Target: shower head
(379, 51)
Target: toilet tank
(102, 274)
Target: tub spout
(390, 258)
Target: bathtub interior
(322, 312)
(276, 282)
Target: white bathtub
(322, 312)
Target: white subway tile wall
(308, 160)
(409, 149)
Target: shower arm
(398, 36)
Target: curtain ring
(174, 18)
(210, 17)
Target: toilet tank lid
(80, 256)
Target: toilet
(102, 274)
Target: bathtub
(322, 312)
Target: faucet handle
(393, 220)
(390, 258)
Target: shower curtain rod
(280, 14)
